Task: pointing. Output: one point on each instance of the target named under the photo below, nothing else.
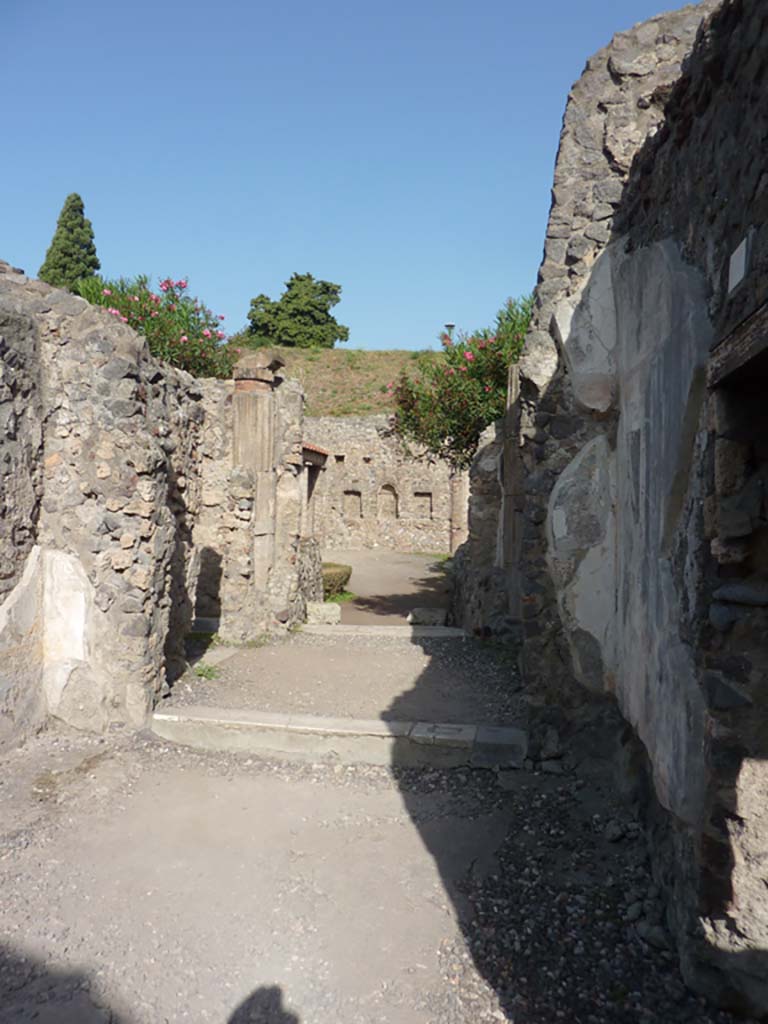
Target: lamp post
(449, 330)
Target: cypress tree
(72, 252)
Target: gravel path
(364, 677)
(147, 883)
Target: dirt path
(145, 883)
(388, 584)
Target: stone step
(345, 740)
(322, 629)
(398, 631)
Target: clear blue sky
(402, 149)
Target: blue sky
(403, 150)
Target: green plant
(203, 671)
(178, 328)
(300, 318)
(72, 252)
(342, 597)
(335, 578)
(446, 408)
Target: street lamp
(449, 330)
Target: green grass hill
(349, 382)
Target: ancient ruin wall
(111, 563)
(373, 492)
(480, 598)
(21, 469)
(625, 497)
(120, 483)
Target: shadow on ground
(559, 916)
(33, 991)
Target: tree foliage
(448, 406)
(71, 255)
(178, 327)
(300, 318)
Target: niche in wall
(388, 502)
(422, 504)
(353, 505)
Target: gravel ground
(451, 680)
(466, 896)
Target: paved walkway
(388, 584)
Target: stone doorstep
(352, 740)
(217, 655)
(436, 632)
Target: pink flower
(487, 387)
(164, 286)
(222, 317)
(181, 284)
(154, 313)
(469, 356)
(106, 291)
(124, 319)
(183, 338)
(463, 369)
(206, 333)
(220, 335)
(452, 372)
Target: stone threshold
(405, 630)
(436, 632)
(342, 740)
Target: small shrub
(177, 326)
(203, 671)
(335, 578)
(341, 598)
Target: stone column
(254, 450)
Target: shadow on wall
(32, 991)
(208, 599)
(181, 611)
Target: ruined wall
(373, 493)
(632, 518)
(21, 469)
(120, 480)
(480, 595)
(111, 566)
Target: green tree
(300, 318)
(449, 404)
(71, 255)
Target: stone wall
(374, 492)
(638, 529)
(21, 470)
(480, 595)
(120, 480)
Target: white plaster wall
(618, 509)
(22, 708)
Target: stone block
(753, 593)
(321, 613)
(443, 735)
(499, 745)
(427, 616)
